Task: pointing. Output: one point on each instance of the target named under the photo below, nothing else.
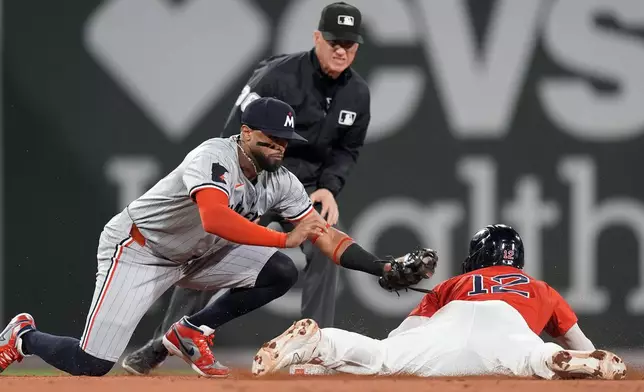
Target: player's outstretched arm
(563, 326)
(394, 274)
(575, 339)
(341, 248)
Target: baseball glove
(409, 269)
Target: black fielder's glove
(409, 269)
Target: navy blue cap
(341, 21)
(271, 116)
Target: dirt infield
(243, 382)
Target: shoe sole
(268, 358)
(135, 372)
(131, 370)
(598, 364)
(174, 350)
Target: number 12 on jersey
(504, 283)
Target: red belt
(136, 235)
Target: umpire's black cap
(271, 116)
(341, 21)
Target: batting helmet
(494, 245)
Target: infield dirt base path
(243, 382)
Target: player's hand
(310, 227)
(329, 209)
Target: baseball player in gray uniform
(195, 229)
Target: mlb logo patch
(346, 117)
(345, 20)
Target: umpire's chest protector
(333, 115)
(326, 109)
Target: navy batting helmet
(494, 245)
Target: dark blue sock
(64, 353)
(277, 276)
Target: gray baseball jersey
(169, 219)
(177, 250)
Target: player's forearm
(223, 222)
(575, 339)
(341, 248)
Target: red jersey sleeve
(563, 317)
(429, 304)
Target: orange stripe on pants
(104, 293)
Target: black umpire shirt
(333, 115)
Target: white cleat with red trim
(10, 343)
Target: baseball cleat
(142, 361)
(10, 343)
(297, 345)
(192, 344)
(598, 364)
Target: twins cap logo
(345, 20)
(346, 117)
(289, 120)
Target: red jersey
(542, 307)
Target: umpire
(332, 111)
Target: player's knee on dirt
(89, 365)
(279, 271)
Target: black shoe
(143, 360)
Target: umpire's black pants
(319, 280)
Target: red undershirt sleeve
(223, 222)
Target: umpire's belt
(136, 235)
